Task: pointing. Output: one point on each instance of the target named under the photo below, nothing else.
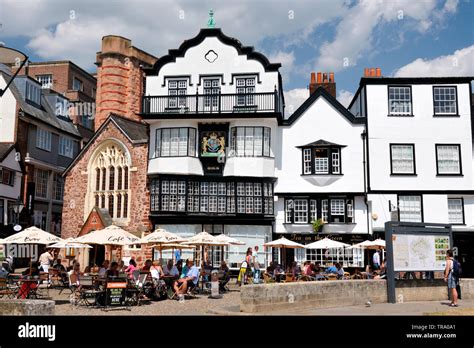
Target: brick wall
(75, 187)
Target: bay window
(321, 160)
(250, 141)
(175, 142)
(329, 210)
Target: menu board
(116, 293)
(419, 252)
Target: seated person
(179, 266)
(331, 269)
(121, 266)
(271, 269)
(26, 287)
(132, 267)
(369, 272)
(58, 266)
(156, 270)
(307, 269)
(295, 269)
(340, 271)
(113, 271)
(189, 281)
(87, 270)
(170, 269)
(3, 272)
(224, 269)
(147, 266)
(74, 275)
(316, 267)
(104, 268)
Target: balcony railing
(212, 104)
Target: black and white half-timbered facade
(224, 158)
(213, 107)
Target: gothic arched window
(109, 180)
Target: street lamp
(17, 209)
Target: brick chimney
(120, 78)
(324, 80)
(372, 72)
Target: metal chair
(7, 290)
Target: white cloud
(345, 97)
(287, 60)
(154, 26)
(294, 98)
(460, 63)
(355, 31)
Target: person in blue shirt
(189, 278)
(331, 269)
(177, 255)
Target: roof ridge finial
(211, 23)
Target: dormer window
(321, 158)
(33, 93)
(45, 80)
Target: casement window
(332, 210)
(58, 182)
(399, 100)
(211, 197)
(402, 158)
(245, 91)
(7, 177)
(410, 208)
(45, 80)
(77, 84)
(66, 146)
(175, 142)
(445, 100)
(43, 139)
(212, 89)
(250, 141)
(321, 160)
(448, 159)
(456, 211)
(41, 183)
(33, 93)
(177, 90)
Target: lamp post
(17, 209)
(14, 58)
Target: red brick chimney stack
(120, 78)
(325, 80)
(372, 72)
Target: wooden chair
(346, 276)
(42, 289)
(289, 278)
(332, 276)
(267, 279)
(6, 290)
(305, 278)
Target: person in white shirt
(376, 260)
(171, 269)
(256, 265)
(45, 260)
(104, 268)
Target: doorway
(97, 255)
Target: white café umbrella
(32, 235)
(160, 237)
(230, 240)
(283, 243)
(69, 243)
(326, 243)
(202, 239)
(111, 235)
(370, 244)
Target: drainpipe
(364, 161)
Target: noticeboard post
(415, 247)
(115, 293)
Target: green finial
(211, 23)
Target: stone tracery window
(109, 178)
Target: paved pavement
(466, 307)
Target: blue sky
(402, 37)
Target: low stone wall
(342, 293)
(429, 290)
(26, 307)
(337, 293)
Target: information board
(416, 252)
(116, 293)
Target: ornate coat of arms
(213, 144)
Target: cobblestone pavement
(201, 305)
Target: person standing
(45, 260)
(451, 278)
(376, 260)
(256, 266)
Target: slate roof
(5, 149)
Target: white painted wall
(229, 61)
(320, 121)
(424, 131)
(7, 115)
(8, 191)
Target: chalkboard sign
(116, 292)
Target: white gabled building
(320, 172)
(419, 152)
(213, 108)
